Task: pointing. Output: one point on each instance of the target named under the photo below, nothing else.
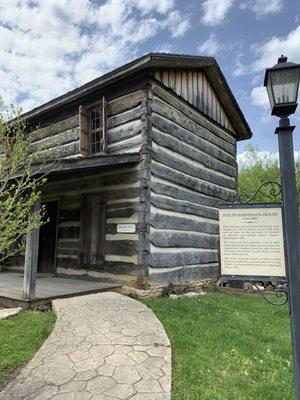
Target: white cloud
(164, 48)
(259, 97)
(210, 47)
(50, 47)
(161, 6)
(268, 52)
(215, 11)
(239, 67)
(263, 7)
(177, 24)
(266, 55)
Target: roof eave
(156, 60)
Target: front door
(47, 242)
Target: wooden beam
(83, 163)
(31, 259)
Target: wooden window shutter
(104, 123)
(84, 130)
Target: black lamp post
(282, 82)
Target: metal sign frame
(254, 278)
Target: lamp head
(282, 83)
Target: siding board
(194, 87)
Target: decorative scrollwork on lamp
(273, 193)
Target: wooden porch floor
(47, 289)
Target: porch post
(31, 259)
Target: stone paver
(103, 347)
(9, 312)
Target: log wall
(187, 168)
(193, 169)
(61, 138)
(120, 191)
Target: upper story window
(92, 123)
(95, 122)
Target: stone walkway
(103, 347)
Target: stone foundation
(154, 291)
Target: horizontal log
(70, 244)
(192, 183)
(124, 204)
(54, 129)
(122, 146)
(123, 132)
(174, 161)
(180, 194)
(127, 193)
(192, 151)
(191, 113)
(112, 267)
(62, 251)
(126, 116)
(183, 239)
(68, 232)
(170, 127)
(183, 274)
(124, 103)
(163, 221)
(69, 215)
(69, 136)
(122, 212)
(123, 268)
(121, 247)
(186, 207)
(60, 152)
(172, 259)
(187, 122)
(85, 184)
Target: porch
(47, 289)
(73, 241)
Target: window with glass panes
(95, 129)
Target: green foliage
(256, 170)
(21, 337)
(134, 296)
(19, 187)
(227, 347)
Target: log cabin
(147, 154)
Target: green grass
(227, 347)
(21, 336)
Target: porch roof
(85, 163)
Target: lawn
(21, 336)
(227, 347)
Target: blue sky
(50, 47)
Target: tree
(256, 169)
(19, 186)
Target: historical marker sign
(126, 228)
(251, 241)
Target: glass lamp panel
(283, 86)
(270, 93)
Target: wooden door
(48, 239)
(92, 229)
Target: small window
(96, 137)
(92, 122)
